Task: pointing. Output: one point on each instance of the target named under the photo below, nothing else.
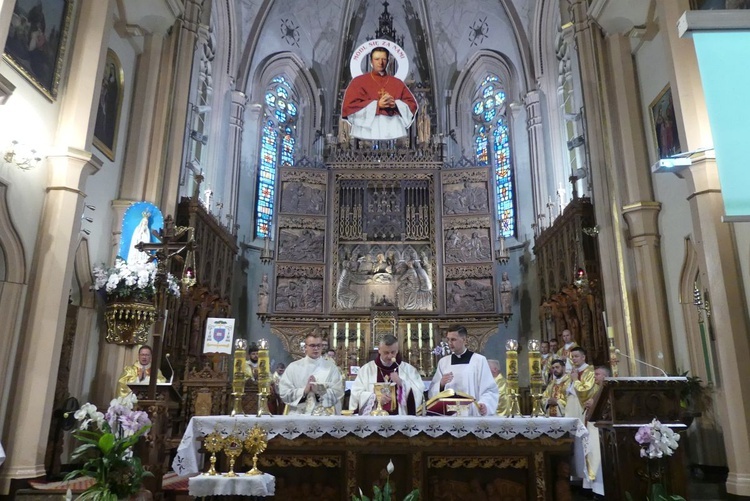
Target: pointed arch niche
(13, 285)
(289, 115)
(706, 441)
(482, 113)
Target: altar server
(312, 382)
(388, 367)
(467, 372)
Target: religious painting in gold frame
(110, 106)
(664, 124)
(37, 37)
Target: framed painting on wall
(36, 42)
(664, 124)
(110, 105)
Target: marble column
(39, 350)
(539, 173)
(721, 273)
(236, 126)
(179, 110)
(604, 195)
(641, 210)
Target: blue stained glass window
(278, 141)
(488, 108)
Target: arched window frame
(293, 145)
(468, 85)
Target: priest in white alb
(312, 382)
(467, 372)
(388, 367)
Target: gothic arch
(12, 294)
(292, 67)
(479, 65)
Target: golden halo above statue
(360, 61)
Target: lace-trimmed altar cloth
(243, 485)
(188, 460)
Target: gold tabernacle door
(446, 403)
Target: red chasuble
(367, 88)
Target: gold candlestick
(264, 378)
(511, 369)
(535, 376)
(238, 377)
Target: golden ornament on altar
(256, 443)
(213, 443)
(233, 449)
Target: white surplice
(362, 395)
(295, 377)
(474, 379)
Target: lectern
(625, 404)
(163, 411)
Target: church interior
(564, 170)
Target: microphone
(171, 377)
(617, 351)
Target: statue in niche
(408, 286)
(346, 297)
(423, 123)
(506, 289)
(263, 291)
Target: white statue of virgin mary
(142, 233)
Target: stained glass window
(492, 147)
(278, 140)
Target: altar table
(445, 457)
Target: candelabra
(535, 377)
(511, 368)
(238, 377)
(264, 378)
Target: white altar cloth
(242, 485)
(188, 460)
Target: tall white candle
(431, 340)
(408, 332)
(359, 334)
(408, 338)
(419, 334)
(346, 335)
(335, 334)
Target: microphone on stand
(171, 377)
(617, 351)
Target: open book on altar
(448, 403)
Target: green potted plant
(106, 449)
(385, 494)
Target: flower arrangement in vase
(106, 448)
(135, 281)
(657, 441)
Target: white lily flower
(390, 467)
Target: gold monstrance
(255, 443)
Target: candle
(431, 340)
(611, 332)
(346, 335)
(408, 332)
(419, 334)
(359, 333)
(335, 334)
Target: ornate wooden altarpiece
(568, 301)
(381, 227)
